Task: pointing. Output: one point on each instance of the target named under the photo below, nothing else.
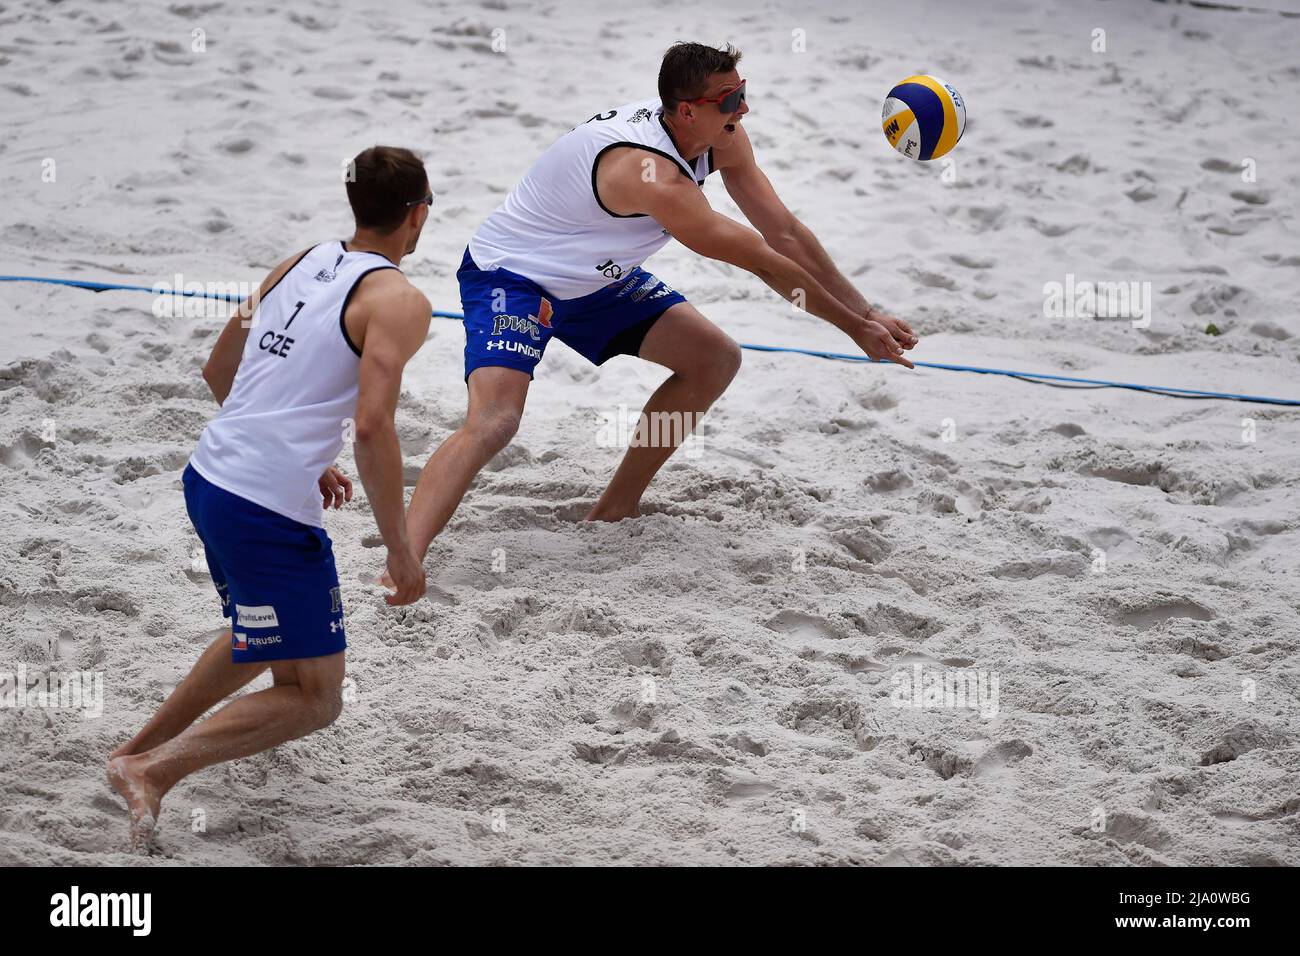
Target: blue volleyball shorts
(509, 318)
(275, 576)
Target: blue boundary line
(1040, 377)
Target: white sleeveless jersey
(295, 389)
(553, 228)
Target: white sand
(772, 738)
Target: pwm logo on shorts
(263, 615)
(514, 323)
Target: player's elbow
(371, 426)
(784, 240)
(219, 380)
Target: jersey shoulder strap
(358, 266)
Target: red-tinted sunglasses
(728, 102)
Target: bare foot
(607, 513)
(143, 798)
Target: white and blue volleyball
(924, 117)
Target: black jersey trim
(595, 164)
(363, 252)
(348, 298)
(285, 273)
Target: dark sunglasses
(728, 101)
(427, 200)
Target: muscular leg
(214, 678)
(704, 360)
(496, 403)
(306, 696)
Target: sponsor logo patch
(263, 615)
(514, 323)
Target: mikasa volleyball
(924, 117)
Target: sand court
(763, 669)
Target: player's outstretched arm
(396, 323)
(753, 192)
(679, 206)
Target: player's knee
(717, 364)
(493, 430)
(730, 357)
(325, 704)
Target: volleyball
(924, 117)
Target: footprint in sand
(1049, 229)
(1064, 563)
(800, 626)
(973, 262)
(739, 785)
(1155, 613)
(747, 744)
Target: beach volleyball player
(331, 330)
(561, 256)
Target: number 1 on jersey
(294, 316)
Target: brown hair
(685, 71)
(384, 182)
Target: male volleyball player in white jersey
(331, 330)
(561, 257)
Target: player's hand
(406, 575)
(900, 330)
(878, 342)
(335, 488)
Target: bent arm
(223, 363)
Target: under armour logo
(335, 626)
